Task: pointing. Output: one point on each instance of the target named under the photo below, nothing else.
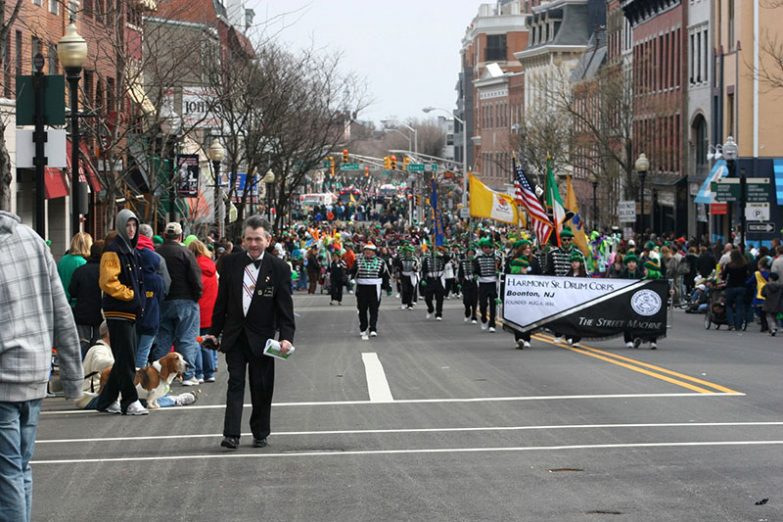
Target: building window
(18, 52)
(692, 58)
(731, 42)
(54, 6)
(35, 48)
(705, 61)
(110, 98)
(88, 83)
(7, 66)
(73, 10)
(53, 63)
(38, 2)
(730, 114)
(496, 47)
(88, 8)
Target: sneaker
(526, 344)
(410, 307)
(473, 321)
(191, 382)
(467, 319)
(773, 332)
(429, 315)
(558, 340)
(483, 326)
(362, 334)
(629, 345)
(398, 296)
(373, 334)
(185, 399)
(653, 345)
(570, 342)
(201, 380)
(365, 337)
(520, 344)
(114, 408)
(577, 344)
(438, 318)
(135, 408)
(331, 303)
(210, 379)
(403, 307)
(491, 329)
(637, 343)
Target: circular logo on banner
(646, 302)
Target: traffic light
(367, 171)
(345, 155)
(405, 162)
(387, 162)
(393, 162)
(331, 164)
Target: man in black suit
(254, 301)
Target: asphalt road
(441, 421)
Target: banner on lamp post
(187, 175)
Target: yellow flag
(576, 224)
(489, 204)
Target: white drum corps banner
(585, 307)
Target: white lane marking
(436, 401)
(513, 449)
(430, 430)
(377, 384)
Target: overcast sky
(407, 50)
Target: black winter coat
(84, 289)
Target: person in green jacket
(76, 256)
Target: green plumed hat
(485, 242)
(521, 243)
(652, 264)
(521, 261)
(630, 257)
(576, 256)
(566, 232)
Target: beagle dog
(154, 381)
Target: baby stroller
(716, 311)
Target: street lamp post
(216, 154)
(730, 150)
(170, 126)
(641, 165)
(594, 181)
(464, 151)
(269, 183)
(72, 52)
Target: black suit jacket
(271, 310)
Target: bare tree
(6, 23)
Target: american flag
(526, 198)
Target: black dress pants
(337, 291)
(122, 335)
(488, 292)
(367, 301)
(241, 361)
(434, 289)
(470, 298)
(407, 290)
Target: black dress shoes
(230, 442)
(260, 443)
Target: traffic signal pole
(39, 138)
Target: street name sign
(54, 148)
(54, 100)
(727, 190)
(349, 166)
(626, 211)
(415, 167)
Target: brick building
(491, 39)
(660, 80)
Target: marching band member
(407, 265)
(467, 282)
(432, 270)
(372, 275)
(485, 266)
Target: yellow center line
(637, 366)
(660, 369)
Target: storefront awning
(87, 174)
(140, 98)
(777, 168)
(55, 185)
(705, 195)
